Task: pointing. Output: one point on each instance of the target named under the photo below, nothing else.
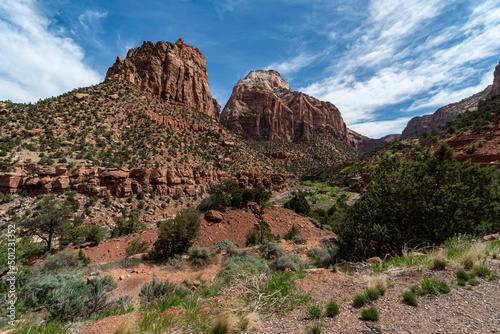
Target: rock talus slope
(173, 72)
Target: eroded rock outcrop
(33, 179)
(262, 106)
(173, 72)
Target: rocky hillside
(176, 73)
(112, 139)
(263, 107)
(426, 123)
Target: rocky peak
(173, 72)
(496, 80)
(269, 79)
(263, 107)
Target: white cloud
(381, 128)
(90, 18)
(293, 65)
(35, 62)
(385, 66)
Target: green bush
(176, 236)
(257, 234)
(239, 264)
(372, 294)
(325, 256)
(137, 247)
(298, 203)
(270, 250)
(370, 314)
(292, 232)
(132, 225)
(415, 203)
(94, 234)
(154, 290)
(199, 256)
(287, 261)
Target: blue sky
(380, 62)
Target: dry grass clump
(226, 323)
(439, 261)
(476, 253)
(249, 321)
(125, 327)
(378, 282)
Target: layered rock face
(173, 72)
(33, 179)
(263, 107)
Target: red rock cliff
(173, 72)
(262, 106)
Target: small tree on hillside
(298, 203)
(175, 236)
(50, 223)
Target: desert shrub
(325, 256)
(66, 296)
(297, 240)
(474, 255)
(314, 311)
(292, 232)
(132, 225)
(136, 247)
(85, 260)
(415, 203)
(410, 298)
(270, 250)
(287, 261)
(224, 244)
(59, 262)
(370, 314)
(239, 264)
(94, 234)
(231, 194)
(175, 236)
(199, 256)
(298, 203)
(153, 290)
(257, 234)
(331, 309)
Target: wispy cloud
(404, 51)
(34, 61)
(90, 18)
(293, 65)
(381, 128)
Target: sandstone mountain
(426, 123)
(263, 107)
(176, 73)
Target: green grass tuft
(332, 309)
(370, 314)
(410, 298)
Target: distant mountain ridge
(426, 123)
